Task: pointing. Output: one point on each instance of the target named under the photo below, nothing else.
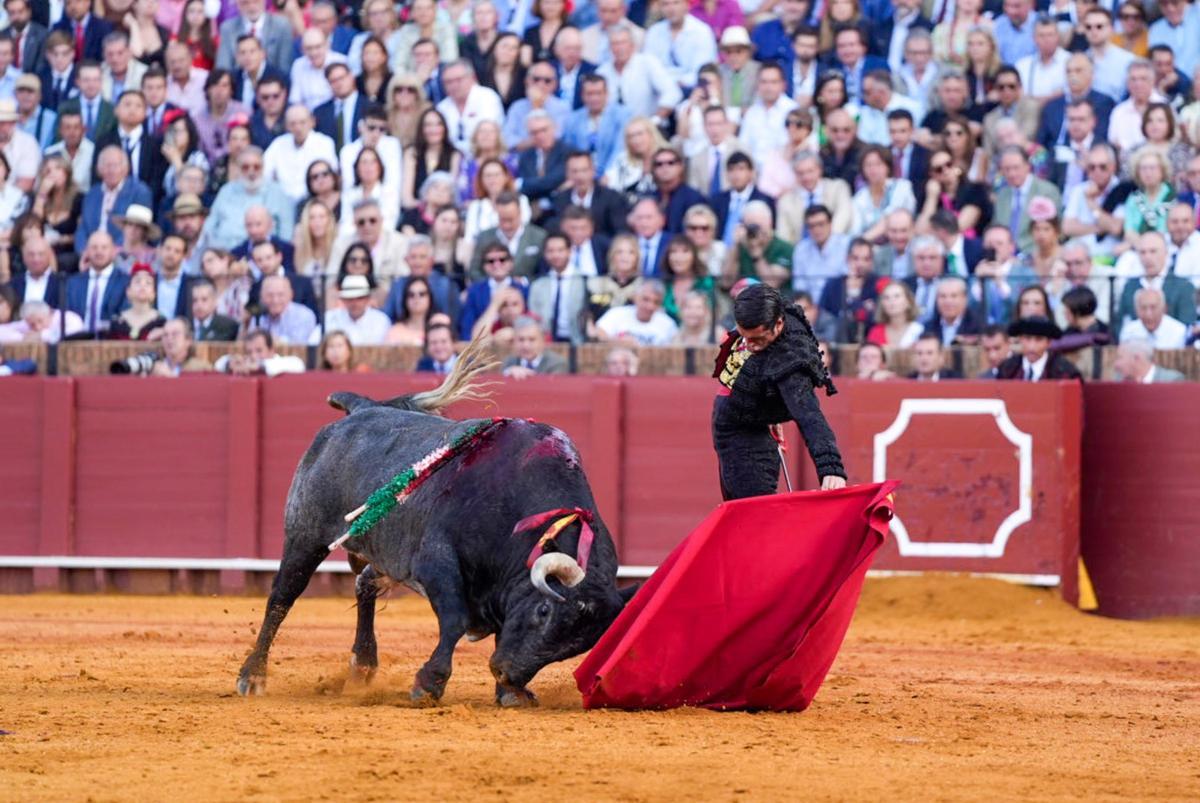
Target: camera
(138, 364)
(987, 255)
(753, 230)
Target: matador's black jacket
(770, 387)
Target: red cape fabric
(749, 611)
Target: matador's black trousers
(747, 455)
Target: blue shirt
(226, 225)
(514, 121)
(682, 53)
(1184, 39)
(1014, 42)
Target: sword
(777, 433)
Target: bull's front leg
(436, 569)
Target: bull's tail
(462, 383)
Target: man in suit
(96, 112)
(120, 70)
(86, 31)
(110, 196)
(58, 70)
(962, 254)
(97, 293)
(730, 204)
(893, 258)
(145, 151)
(812, 189)
(28, 36)
(439, 357)
(269, 259)
(542, 169)
(597, 126)
(706, 169)
(675, 197)
(1036, 363)
(260, 227)
(154, 90)
(1070, 157)
(910, 160)
(852, 60)
(206, 323)
(323, 15)
(531, 357)
(523, 242)
(338, 117)
(1014, 105)
(1178, 292)
(419, 259)
(496, 262)
(252, 68)
(739, 71)
(928, 357)
(954, 322)
(273, 30)
(996, 348)
(173, 294)
(559, 298)
(647, 221)
(37, 282)
(1135, 363)
(928, 267)
(269, 119)
(606, 207)
(588, 251)
(1020, 187)
(1052, 130)
(568, 57)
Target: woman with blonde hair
(896, 323)
(619, 286)
(695, 320)
(314, 238)
(983, 62)
(630, 171)
(950, 36)
(487, 143)
(405, 104)
(492, 179)
(59, 203)
(700, 226)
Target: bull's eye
(543, 610)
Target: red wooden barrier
(1141, 507)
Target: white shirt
(1125, 124)
(390, 153)
(763, 128)
(24, 156)
(643, 87)
(81, 165)
(900, 31)
(660, 330)
(1148, 379)
(1041, 79)
(1076, 208)
(682, 52)
(1186, 258)
(369, 330)
(1170, 334)
(482, 104)
(1037, 367)
(35, 288)
(582, 261)
(287, 163)
(872, 122)
(309, 85)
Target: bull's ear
(627, 592)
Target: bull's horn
(555, 564)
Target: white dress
(898, 194)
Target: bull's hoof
(423, 697)
(251, 685)
(361, 673)
(508, 697)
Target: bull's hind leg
(436, 569)
(364, 656)
(295, 570)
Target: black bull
(452, 541)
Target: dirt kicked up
(946, 688)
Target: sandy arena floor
(947, 688)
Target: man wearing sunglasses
(674, 197)
(270, 101)
(338, 117)
(1111, 62)
(497, 266)
(541, 83)
(373, 133)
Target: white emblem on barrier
(1022, 440)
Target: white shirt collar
(1038, 367)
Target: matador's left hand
(832, 482)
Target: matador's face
(760, 337)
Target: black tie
(557, 299)
(1029, 374)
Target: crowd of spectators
(915, 173)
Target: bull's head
(556, 616)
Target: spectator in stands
(620, 285)
(415, 311)
(33, 118)
(1135, 363)
(871, 363)
(496, 262)
(879, 101)
(1146, 208)
(850, 300)
(37, 283)
(531, 357)
(954, 321)
(207, 323)
(843, 153)
(1178, 293)
(439, 357)
(597, 126)
(97, 294)
(1111, 62)
(420, 263)
(1079, 309)
(673, 195)
(821, 255)
(559, 298)
(140, 319)
(270, 107)
(224, 227)
(1094, 210)
(541, 84)
(1153, 322)
(764, 128)
(996, 348)
(680, 42)
(336, 353)
(928, 359)
(110, 197)
(587, 251)
(1052, 130)
(1183, 243)
(1157, 126)
(1020, 188)
(758, 252)
(811, 189)
(364, 325)
(1043, 73)
(621, 362)
(387, 245)
(893, 258)
(285, 320)
(1036, 363)
(730, 203)
(643, 323)
(185, 82)
(173, 289)
(524, 242)
(286, 160)
(880, 195)
(639, 81)
(466, 104)
(606, 206)
(696, 321)
(1033, 302)
(258, 356)
(542, 168)
(438, 190)
(1179, 29)
(178, 351)
(272, 30)
(75, 149)
(1125, 123)
(1169, 80)
(929, 258)
(1013, 105)
(948, 188)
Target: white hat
(8, 111)
(735, 36)
(354, 286)
(139, 216)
